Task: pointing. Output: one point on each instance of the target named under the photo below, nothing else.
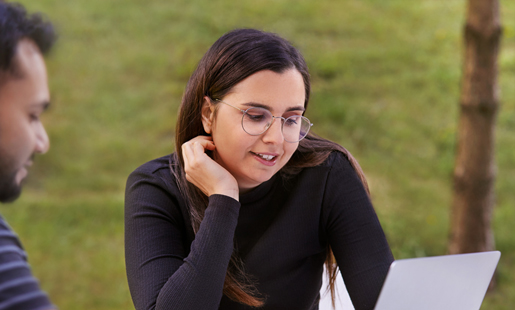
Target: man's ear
(208, 113)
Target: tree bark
(475, 169)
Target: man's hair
(16, 24)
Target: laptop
(450, 282)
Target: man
(24, 95)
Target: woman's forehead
(271, 90)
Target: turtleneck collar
(258, 192)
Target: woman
(251, 205)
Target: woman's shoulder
(151, 190)
(153, 166)
(317, 152)
(158, 168)
(154, 180)
(337, 160)
(335, 166)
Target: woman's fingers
(196, 147)
(205, 141)
(203, 172)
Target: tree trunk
(475, 169)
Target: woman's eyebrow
(264, 106)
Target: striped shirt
(19, 289)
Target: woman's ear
(208, 112)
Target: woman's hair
(232, 58)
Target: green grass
(386, 79)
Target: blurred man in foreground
(24, 96)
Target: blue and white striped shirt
(19, 289)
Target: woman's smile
(267, 159)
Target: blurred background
(386, 83)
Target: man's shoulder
(8, 238)
(18, 287)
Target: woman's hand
(203, 172)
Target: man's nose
(42, 141)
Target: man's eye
(34, 117)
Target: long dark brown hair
(232, 58)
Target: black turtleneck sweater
(281, 229)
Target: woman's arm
(355, 235)
(163, 272)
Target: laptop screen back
(447, 282)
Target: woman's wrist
(233, 193)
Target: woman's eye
(291, 121)
(34, 117)
(256, 117)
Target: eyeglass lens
(257, 120)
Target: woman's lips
(268, 159)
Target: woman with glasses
(251, 205)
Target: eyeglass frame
(270, 125)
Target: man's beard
(9, 189)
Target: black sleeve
(355, 235)
(18, 287)
(162, 271)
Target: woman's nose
(274, 133)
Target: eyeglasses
(257, 120)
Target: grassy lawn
(386, 78)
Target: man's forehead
(25, 52)
(28, 57)
(29, 79)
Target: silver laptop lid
(450, 282)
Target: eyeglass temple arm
(243, 111)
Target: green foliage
(386, 79)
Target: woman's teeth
(266, 157)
